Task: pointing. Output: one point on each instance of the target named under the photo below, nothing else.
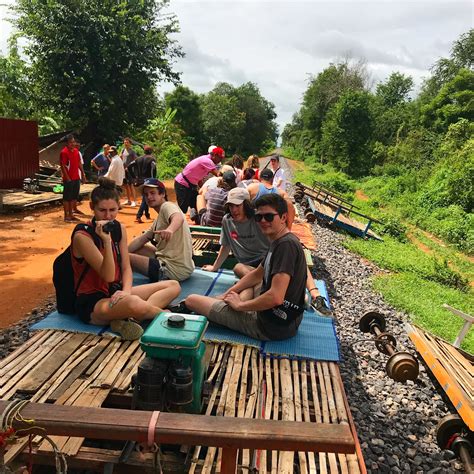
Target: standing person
(277, 311)
(165, 250)
(71, 169)
(82, 177)
(279, 177)
(142, 168)
(102, 272)
(116, 171)
(128, 156)
(101, 161)
(186, 182)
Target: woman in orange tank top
(105, 294)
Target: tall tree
(325, 90)
(347, 133)
(395, 90)
(444, 70)
(223, 122)
(188, 115)
(260, 129)
(97, 62)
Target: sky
(279, 45)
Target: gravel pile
(396, 423)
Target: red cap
(218, 151)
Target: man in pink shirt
(73, 174)
(186, 182)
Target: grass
(423, 300)
(419, 283)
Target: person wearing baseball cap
(186, 182)
(240, 234)
(164, 251)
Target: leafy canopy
(97, 62)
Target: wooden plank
(276, 406)
(306, 414)
(99, 346)
(210, 405)
(22, 352)
(286, 458)
(326, 414)
(10, 388)
(50, 364)
(317, 411)
(298, 412)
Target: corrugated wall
(18, 151)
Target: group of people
(266, 303)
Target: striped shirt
(216, 199)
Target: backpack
(63, 274)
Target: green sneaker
(129, 330)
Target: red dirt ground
(29, 243)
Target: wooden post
(464, 330)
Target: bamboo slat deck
(84, 370)
(453, 370)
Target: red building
(18, 151)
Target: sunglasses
(269, 216)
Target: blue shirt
(102, 162)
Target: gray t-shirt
(246, 240)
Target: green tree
(444, 70)
(347, 133)
(97, 62)
(325, 90)
(223, 122)
(395, 90)
(454, 101)
(188, 115)
(260, 128)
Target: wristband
(315, 288)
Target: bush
(171, 161)
(444, 275)
(395, 228)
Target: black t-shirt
(285, 255)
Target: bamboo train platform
(20, 200)
(288, 416)
(453, 368)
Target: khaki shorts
(244, 322)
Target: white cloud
(278, 43)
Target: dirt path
(29, 243)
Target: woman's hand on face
(100, 231)
(117, 296)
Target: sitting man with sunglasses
(277, 311)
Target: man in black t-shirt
(277, 311)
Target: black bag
(63, 274)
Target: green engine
(171, 377)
